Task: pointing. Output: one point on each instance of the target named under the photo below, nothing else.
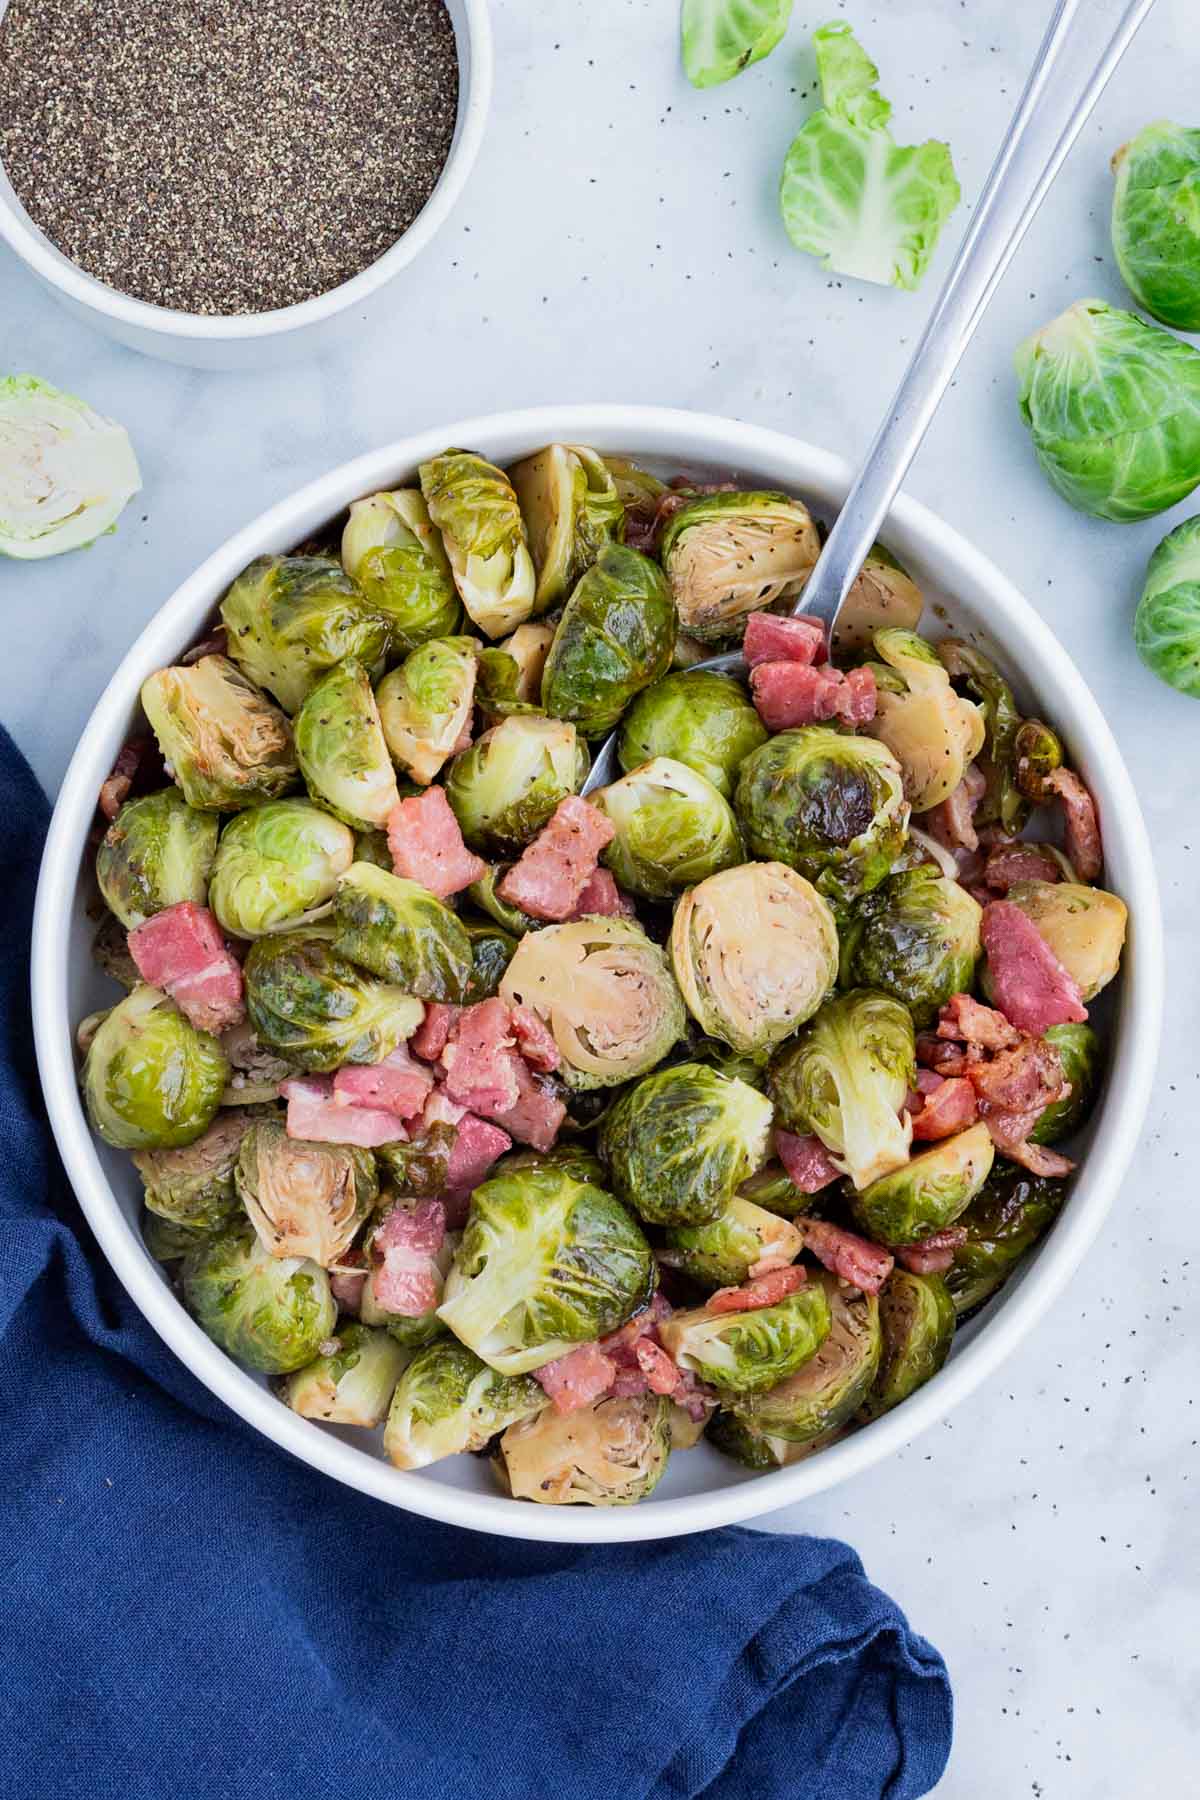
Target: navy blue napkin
(189, 1612)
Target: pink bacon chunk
(535, 1040)
(807, 1163)
(537, 1114)
(1011, 862)
(182, 951)
(577, 1379)
(427, 846)
(851, 1258)
(550, 875)
(662, 1377)
(789, 694)
(433, 1033)
(952, 822)
(946, 1109)
(396, 1085)
(405, 1244)
(480, 1059)
(772, 638)
(602, 898)
(477, 1144)
(1031, 987)
(314, 1115)
(934, 1254)
(1081, 824)
(764, 1290)
(970, 1022)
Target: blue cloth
(191, 1613)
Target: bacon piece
(947, 1109)
(314, 1116)
(578, 1378)
(944, 1058)
(346, 1285)
(480, 1059)
(806, 1161)
(852, 1258)
(934, 1254)
(404, 1247)
(662, 1376)
(427, 846)
(550, 875)
(602, 898)
(138, 769)
(622, 1343)
(477, 1144)
(432, 1034)
(535, 1040)
(536, 1116)
(764, 1290)
(1031, 987)
(772, 638)
(788, 694)
(181, 950)
(1024, 1078)
(952, 822)
(1039, 1159)
(396, 1085)
(1081, 823)
(215, 644)
(967, 1020)
(1014, 861)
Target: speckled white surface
(619, 241)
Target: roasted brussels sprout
(319, 1009)
(509, 675)
(826, 1391)
(157, 851)
(846, 1077)
(1166, 626)
(727, 554)
(1079, 1048)
(606, 993)
(492, 950)
(772, 1187)
(749, 1352)
(1002, 802)
(505, 787)
(292, 618)
(372, 846)
(679, 1143)
(545, 1262)
(277, 867)
(612, 1453)
(448, 1401)
(884, 597)
(637, 489)
(1005, 1220)
(193, 1185)
(755, 952)
(723, 1252)
(727, 1433)
(420, 1166)
(351, 1384)
(572, 512)
(473, 505)
(223, 741)
(304, 1199)
(917, 937)
(511, 918)
(699, 718)
(917, 1318)
(401, 932)
(1084, 926)
(272, 1313)
(341, 749)
(394, 553)
(928, 1193)
(168, 1242)
(615, 637)
(425, 705)
(150, 1080)
(933, 732)
(828, 804)
(673, 828)
(1156, 222)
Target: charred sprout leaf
(884, 597)
(483, 893)
(615, 637)
(1079, 1049)
(1084, 926)
(928, 1193)
(702, 719)
(492, 949)
(473, 505)
(352, 1384)
(933, 733)
(749, 1352)
(271, 1313)
(505, 787)
(193, 1185)
(401, 932)
(341, 749)
(290, 619)
(1166, 627)
(277, 867)
(66, 473)
(157, 851)
(720, 38)
(572, 511)
(304, 1199)
(727, 554)
(1003, 1223)
(448, 1401)
(394, 553)
(425, 705)
(420, 1167)
(679, 1144)
(612, 1453)
(1156, 222)
(917, 937)
(826, 1391)
(221, 739)
(673, 828)
(152, 1081)
(918, 1318)
(845, 1078)
(1003, 803)
(318, 1008)
(723, 1252)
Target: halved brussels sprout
(193, 1185)
(425, 705)
(695, 717)
(579, 1163)
(846, 1077)
(319, 1009)
(729, 1434)
(350, 1385)
(638, 491)
(492, 949)
(1005, 1220)
(473, 505)
(277, 867)
(1084, 926)
(394, 553)
(66, 472)
(401, 932)
(755, 952)
(341, 749)
(606, 993)
(304, 1199)
(612, 1453)
(917, 937)
(483, 893)
(727, 554)
(826, 1391)
(933, 732)
(221, 739)
(572, 511)
(918, 1319)
(723, 1252)
(1079, 1049)
(884, 597)
(150, 1080)
(828, 804)
(673, 828)
(615, 637)
(1002, 802)
(1166, 626)
(749, 1352)
(157, 852)
(271, 1313)
(292, 618)
(527, 648)
(505, 787)
(928, 1193)
(1156, 222)
(448, 1401)
(168, 1242)
(679, 1143)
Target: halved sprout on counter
(225, 743)
(673, 828)
(66, 472)
(425, 705)
(727, 554)
(844, 1079)
(392, 550)
(277, 867)
(572, 511)
(157, 851)
(615, 637)
(475, 508)
(504, 788)
(290, 619)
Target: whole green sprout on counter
(66, 473)
(1156, 222)
(1166, 627)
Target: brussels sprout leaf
(720, 38)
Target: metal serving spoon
(1020, 178)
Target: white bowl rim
(34, 249)
(693, 437)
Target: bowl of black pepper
(226, 182)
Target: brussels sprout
(157, 851)
(66, 472)
(750, 1069)
(615, 637)
(884, 597)
(825, 1392)
(828, 804)
(257, 1069)
(637, 489)
(1156, 222)
(680, 1142)
(394, 553)
(1084, 926)
(505, 787)
(688, 651)
(700, 718)
(846, 1077)
(727, 554)
(755, 952)
(748, 1352)
(612, 1453)
(168, 1242)
(1002, 803)
(579, 1163)
(473, 505)
(725, 1251)
(1079, 1050)
(1113, 405)
(772, 1187)
(732, 1437)
(933, 732)
(672, 828)
(318, 1008)
(223, 741)
(292, 618)
(1038, 753)
(509, 675)
(917, 937)
(917, 1316)
(606, 993)
(1005, 1220)
(401, 932)
(448, 1401)
(492, 950)
(193, 1185)
(545, 1262)
(271, 1313)
(304, 1199)
(350, 1385)
(527, 648)
(425, 705)
(419, 1167)
(720, 38)
(928, 1193)
(572, 511)
(372, 846)
(483, 893)
(150, 1080)
(1166, 626)
(341, 749)
(277, 867)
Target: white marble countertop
(619, 241)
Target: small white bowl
(261, 340)
(701, 1488)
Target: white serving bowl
(701, 1488)
(262, 340)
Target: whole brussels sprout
(473, 505)
(304, 1199)
(1002, 802)
(1079, 1050)
(394, 553)
(828, 804)
(755, 952)
(341, 749)
(723, 1252)
(277, 867)
(1166, 626)
(505, 787)
(606, 993)
(193, 1185)
(884, 596)
(168, 1242)
(292, 618)
(917, 1317)
(933, 732)
(511, 918)
(1005, 1220)
(572, 512)
(826, 1391)
(928, 1193)
(917, 937)
(425, 705)
(1084, 926)
(271, 1313)
(697, 717)
(679, 1143)
(350, 1385)
(1113, 406)
(727, 554)
(319, 1009)
(749, 1352)
(845, 1077)
(1156, 222)
(615, 637)
(151, 1081)
(611, 1453)
(546, 1262)
(157, 851)
(448, 1401)
(401, 932)
(226, 745)
(673, 828)
(492, 949)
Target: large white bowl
(701, 1488)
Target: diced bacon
(1039, 1159)
(662, 1377)
(139, 769)
(550, 875)
(404, 1246)
(852, 1258)
(537, 1116)
(622, 1343)
(602, 898)
(1031, 987)
(773, 638)
(427, 845)
(182, 951)
(430, 1038)
(948, 1109)
(934, 1254)
(970, 1022)
(1010, 862)
(314, 1115)
(476, 1146)
(952, 822)
(943, 1057)
(480, 1059)
(860, 697)
(764, 1290)
(535, 1040)
(806, 1161)
(441, 1110)
(396, 1085)
(346, 1286)
(1081, 823)
(1025, 1078)
(577, 1379)
(789, 694)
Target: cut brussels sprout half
(928, 1193)
(615, 637)
(150, 1080)
(1166, 626)
(473, 505)
(1002, 802)
(749, 1352)
(351, 1384)
(612, 1453)
(917, 1317)
(732, 1437)
(448, 1401)
(66, 473)
(341, 749)
(157, 852)
(492, 950)
(699, 718)
(303, 1199)
(728, 554)
(318, 1008)
(917, 937)
(1156, 222)
(884, 597)
(401, 932)
(933, 732)
(425, 705)
(277, 867)
(742, 1240)
(673, 828)
(1084, 926)
(572, 510)
(845, 1079)
(826, 1391)
(679, 1144)
(221, 739)
(505, 787)
(290, 619)
(193, 1185)
(272, 1313)
(392, 550)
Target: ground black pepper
(225, 156)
